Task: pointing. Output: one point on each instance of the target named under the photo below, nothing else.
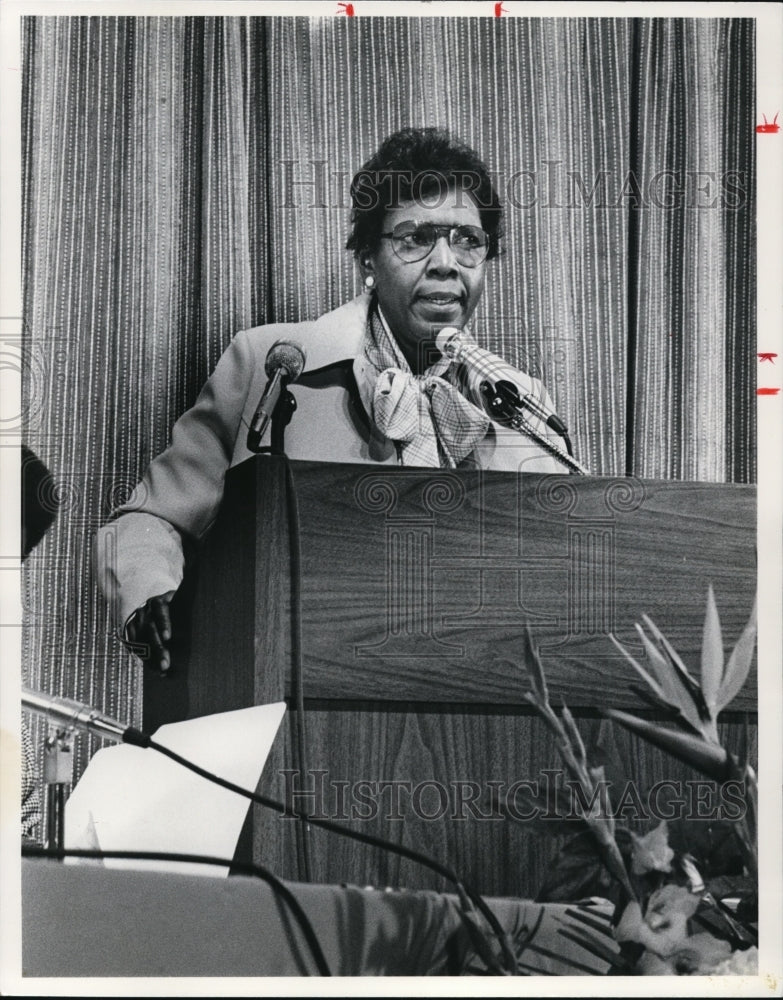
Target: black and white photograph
(391, 427)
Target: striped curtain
(184, 178)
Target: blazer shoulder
(335, 336)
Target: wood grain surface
(411, 604)
(415, 589)
(439, 781)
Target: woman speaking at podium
(371, 384)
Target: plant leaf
(577, 872)
(738, 667)
(711, 655)
(687, 699)
(564, 959)
(482, 942)
(706, 757)
(670, 714)
(599, 922)
(602, 748)
(674, 658)
(534, 666)
(651, 852)
(656, 687)
(573, 732)
(719, 921)
(596, 947)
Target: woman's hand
(148, 632)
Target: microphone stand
(504, 404)
(281, 418)
(57, 772)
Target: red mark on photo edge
(770, 356)
(769, 128)
(500, 10)
(347, 9)
(767, 392)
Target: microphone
(67, 714)
(459, 346)
(284, 364)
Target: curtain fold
(184, 178)
(678, 395)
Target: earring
(369, 282)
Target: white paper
(131, 798)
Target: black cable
(503, 402)
(463, 889)
(523, 425)
(245, 868)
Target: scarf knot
(426, 415)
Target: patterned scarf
(426, 415)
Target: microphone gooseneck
(68, 715)
(505, 394)
(459, 346)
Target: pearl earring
(369, 282)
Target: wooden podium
(414, 587)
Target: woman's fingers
(159, 655)
(150, 630)
(162, 615)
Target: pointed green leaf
(563, 959)
(656, 687)
(596, 947)
(573, 732)
(738, 667)
(484, 943)
(676, 692)
(576, 872)
(711, 655)
(534, 665)
(598, 921)
(510, 667)
(706, 757)
(673, 656)
(597, 773)
(546, 713)
(671, 714)
(523, 935)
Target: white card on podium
(131, 798)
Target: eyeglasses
(412, 241)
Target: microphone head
(285, 354)
(451, 341)
(447, 341)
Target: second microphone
(284, 364)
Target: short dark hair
(412, 163)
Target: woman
(426, 221)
